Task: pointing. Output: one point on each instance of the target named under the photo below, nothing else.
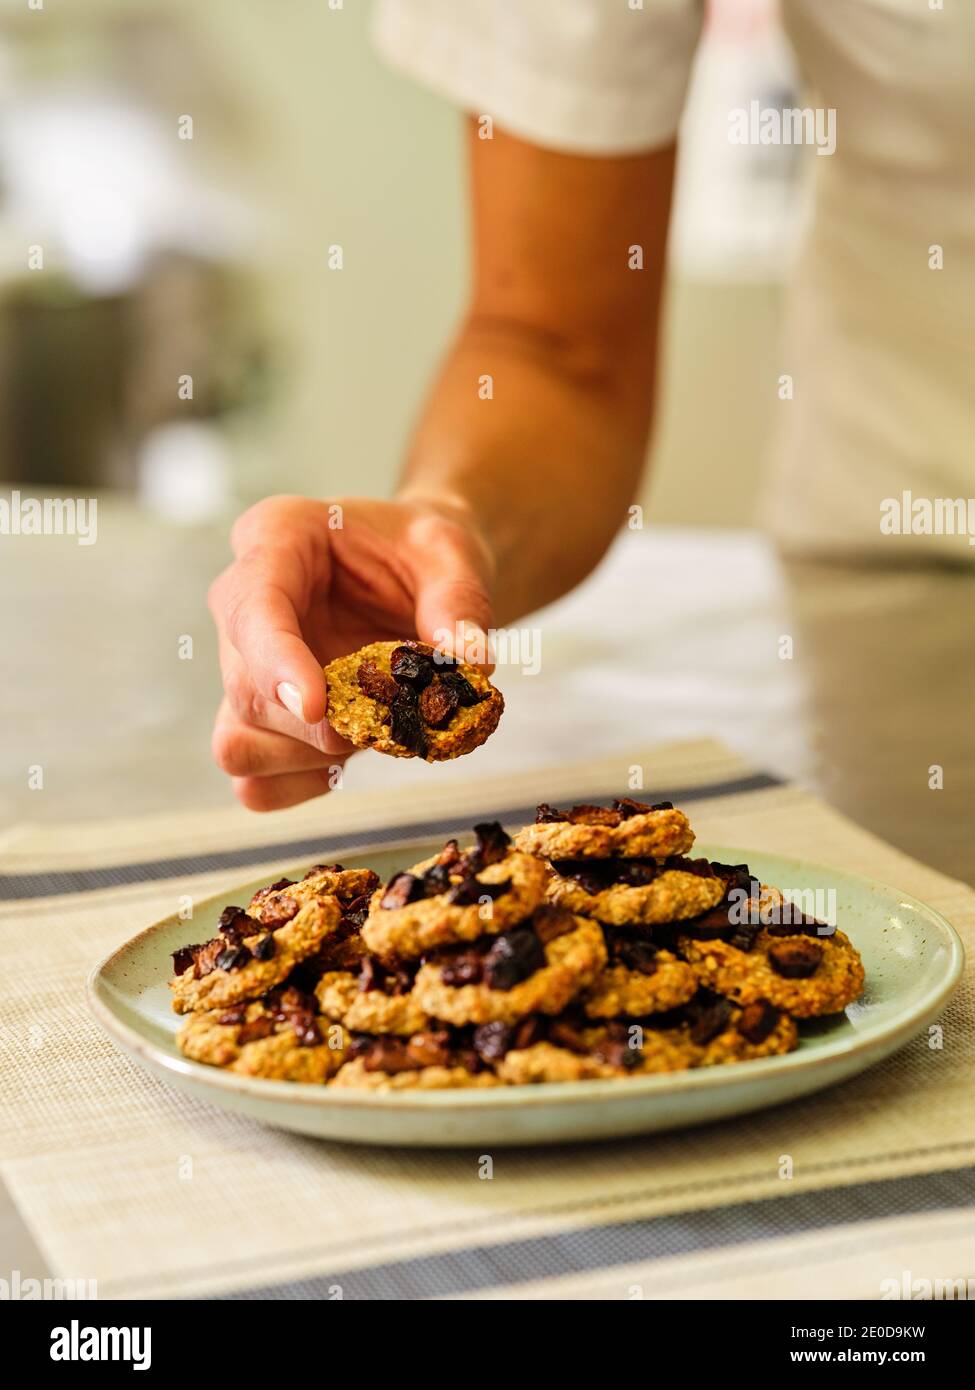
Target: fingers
(286, 789)
(243, 750)
(453, 606)
(255, 604)
(251, 709)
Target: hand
(312, 581)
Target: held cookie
(434, 1060)
(536, 967)
(627, 829)
(456, 896)
(247, 958)
(635, 892)
(279, 1037)
(374, 1000)
(639, 979)
(406, 699)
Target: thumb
(252, 603)
(453, 611)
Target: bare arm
(567, 333)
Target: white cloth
(880, 347)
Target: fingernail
(290, 697)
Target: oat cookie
(805, 975)
(247, 958)
(279, 1037)
(437, 1058)
(545, 1061)
(371, 1001)
(628, 829)
(537, 967)
(635, 892)
(280, 901)
(456, 896)
(406, 699)
(639, 979)
(712, 1031)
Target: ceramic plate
(913, 960)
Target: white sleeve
(585, 76)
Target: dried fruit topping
(436, 880)
(438, 703)
(430, 1049)
(402, 889)
(616, 1046)
(795, 959)
(587, 814)
(758, 1020)
(237, 1014)
(384, 1054)
(228, 918)
(462, 688)
(627, 807)
(262, 893)
(297, 1009)
(471, 890)
(463, 968)
(493, 844)
(546, 814)
(527, 1031)
(796, 923)
(356, 911)
(261, 1027)
(565, 1034)
(449, 855)
(370, 975)
(276, 910)
(593, 875)
(636, 873)
(410, 666)
(405, 726)
(513, 957)
(321, 869)
(709, 925)
(493, 1040)
(183, 958)
(743, 935)
(708, 1020)
(233, 958)
(264, 948)
(550, 921)
(738, 878)
(378, 685)
(700, 868)
(636, 953)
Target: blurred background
(181, 347)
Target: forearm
(547, 464)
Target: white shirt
(880, 346)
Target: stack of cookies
(589, 946)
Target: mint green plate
(913, 960)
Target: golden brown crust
(748, 975)
(671, 897)
(294, 941)
(545, 1062)
(344, 884)
(619, 990)
(649, 835)
(354, 1074)
(279, 1056)
(573, 960)
(368, 1011)
(405, 933)
(365, 722)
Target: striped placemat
(152, 1193)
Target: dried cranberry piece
(376, 684)
(527, 1032)
(636, 873)
(709, 925)
(238, 1014)
(183, 958)
(436, 880)
(429, 1049)
(513, 957)
(261, 1027)
(636, 954)
(271, 888)
(493, 1040)
(615, 1049)
(385, 1054)
(627, 807)
(438, 703)
(371, 975)
(321, 869)
(550, 921)
(233, 958)
(700, 868)
(265, 948)
(546, 814)
(356, 911)
(709, 1020)
(744, 935)
(401, 889)
(493, 844)
(464, 968)
(306, 1029)
(449, 855)
(276, 910)
(799, 925)
(411, 666)
(758, 1020)
(587, 814)
(462, 688)
(795, 960)
(565, 1034)
(470, 890)
(405, 726)
(229, 916)
(467, 1058)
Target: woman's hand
(312, 581)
